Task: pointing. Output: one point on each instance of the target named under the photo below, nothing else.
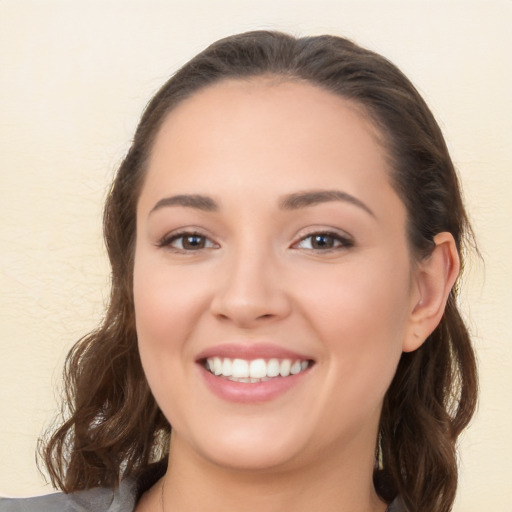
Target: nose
(251, 291)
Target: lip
(251, 351)
(243, 392)
(250, 393)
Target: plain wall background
(74, 78)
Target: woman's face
(270, 241)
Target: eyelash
(168, 240)
(335, 240)
(338, 241)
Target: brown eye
(193, 242)
(187, 242)
(324, 242)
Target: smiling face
(273, 282)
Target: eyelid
(166, 241)
(344, 240)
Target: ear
(434, 278)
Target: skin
(257, 277)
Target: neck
(195, 485)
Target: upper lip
(251, 351)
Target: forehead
(270, 102)
(267, 135)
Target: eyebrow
(293, 201)
(312, 197)
(197, 201)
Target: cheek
(362, 339)
(157, 309)
(169, 303)
(166, 300)
(152, 307)
(361, 316)
(162, 322)
(361, 299)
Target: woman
(285, 235)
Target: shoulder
(92, 500)
(99, 499)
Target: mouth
(252, 373)
(255, 370)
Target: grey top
(93, 500)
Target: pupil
(322, 242)
(193, 242)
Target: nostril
(247, 303)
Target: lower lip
(245, 392)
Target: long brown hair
(114, 427)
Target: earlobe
(435, 277)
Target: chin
(249, 449)
(253, 459)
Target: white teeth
(227, 367)
(286, 364)
(217, 365)
(257, 370)
(295, 368)
(240, 368)
(273, 367)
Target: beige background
(74, 77)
